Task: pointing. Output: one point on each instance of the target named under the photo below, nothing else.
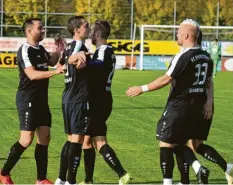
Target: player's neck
(190, 45)
(100, 43)
(78, 38)
(32, 42)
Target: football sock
(74, 156)
(196, 166)
(111, 159)
(183, 165)
(89, 163)
(212, 155)
(41, 157)
(64, 161)
(167, 164)
(14, 154)
(191, 159)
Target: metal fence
(55, 21)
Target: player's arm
(29, 69)
(210, 89)
(219, 51)
(175, 69)
(208, 108)
(154, 85)
(54, 58)
(39, 75)
(77, 58)
(56, 55)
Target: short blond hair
(191, 22)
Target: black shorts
(100, 112)
(76, 117)
(33, 115)
(172, 127)
(199, 127)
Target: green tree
(117, 13)
(225, 19)
(59, 19)
(11, 17)
(155, 12)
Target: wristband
(144, 88)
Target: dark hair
(75, 22)
(199, 38)
(29, 22)
(103, 27)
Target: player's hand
(80, 65)
(60, 44)
(208, 110)
(64, 68)
(81, 57)
(59, 70)
(134, 91)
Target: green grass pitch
(131, 129)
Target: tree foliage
(118, 13)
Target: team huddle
(87, 104)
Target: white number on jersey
(201, 73)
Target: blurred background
(150, 48)
(122, 14)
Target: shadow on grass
(212, 181)
(123, 108)
(25, 158)
(139, 108)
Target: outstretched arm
(154, 85)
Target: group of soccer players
(87, 104)
(86, 100)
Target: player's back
(101, 71)
(190, 73)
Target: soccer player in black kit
(190, 73)
(32, 100)
(200, 131)
(101, 71)
(75, 105)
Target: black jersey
(101, 68)
(76, 87)
(37, 57)
(190, 70)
